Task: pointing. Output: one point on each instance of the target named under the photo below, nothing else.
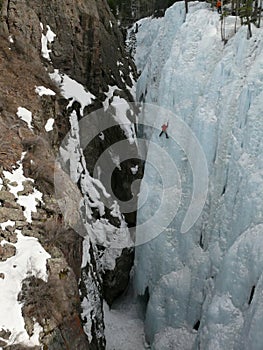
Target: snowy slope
(213, 273)
(29, 259)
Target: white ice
(213, 273)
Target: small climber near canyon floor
(164, 128)
(219, 6)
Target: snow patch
(109, 95)
(134, 169)
(121, 107)
(41, 90)
(101, 136)
(49, 124)
(46, 39)
(4, 225)
(28, 202)
(30, 260)
(25, 115)
(73, 90)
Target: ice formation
(205, 286)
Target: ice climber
(218, 6)
(164, 128)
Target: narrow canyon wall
(89, 48)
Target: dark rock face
(90, 287)
(6, 251)
(116, 281)
(70, 336)
(88, 41)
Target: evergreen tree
(249, 12)
(128, 11)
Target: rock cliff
(89, 48)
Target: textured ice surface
(213, 273)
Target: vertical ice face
(207, 282)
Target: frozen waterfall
(205, 285)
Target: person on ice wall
(164, 128)
(219, 6)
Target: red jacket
(164, 127)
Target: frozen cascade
(205, 286)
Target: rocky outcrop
(88, 41)
(55, 305)
(21, 72)
(115, 281)
(89, 48)
(6, 251)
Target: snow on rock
(132, 89)
(101, 136)
(90, 293)
(41, 90)
(93, 197)
(210, 275)
(28, 201)
(30, 260)
(71, 150)
(25, 115)
(72, 90)
(121, 106)
(16, 178)
(7, 223)
(49, 124)
(134, 170)
(109, 95)
(111, 237)
(87, 311)
(46, 39)
(115, 211)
